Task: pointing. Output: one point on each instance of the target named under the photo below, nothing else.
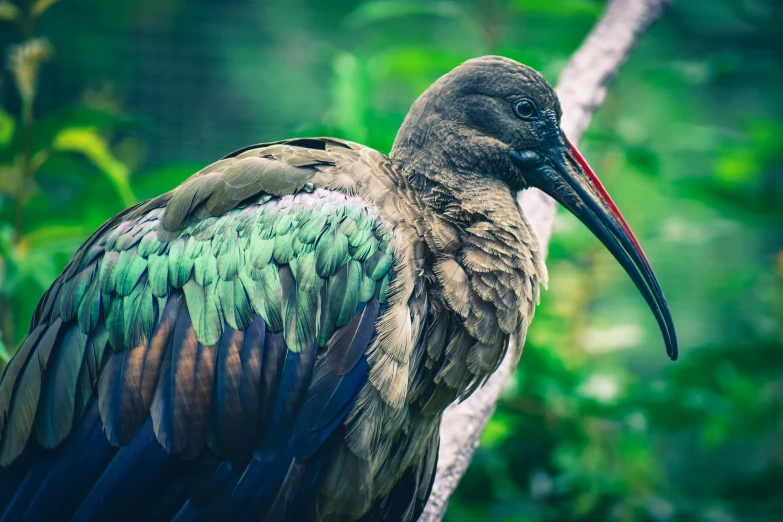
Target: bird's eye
(525, 109)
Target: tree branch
(582, 88)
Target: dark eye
(525, 109)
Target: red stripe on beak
(599, 188)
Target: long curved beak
(566, 176)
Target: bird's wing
(229, 318)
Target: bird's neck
(481, 269)
(450, 192)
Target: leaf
(40, 6)
(7, 122)
(4, 355)
(94, 147)
(10, 180)
(24, 60)
(149, 183)
(384, 10)
(573, 8)
(8, 11)
(48, 126)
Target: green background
(597, 425)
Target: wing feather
(233, 314)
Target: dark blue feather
(134, 471)
(51, 489)
(295, 378)
(309, 436)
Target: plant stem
(7, 329)
(27, 119)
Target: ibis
(276, 338)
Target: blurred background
(103, 104)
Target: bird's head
(497, 119)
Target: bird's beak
(562, 172)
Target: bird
(276, 338)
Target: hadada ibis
(276, 339)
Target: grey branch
(582, 89)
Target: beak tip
(672, 349)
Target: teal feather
(24, 402)
(378, 265)
(229, 260)
(122, 228)
(12, 370)
(305, 275)
(55, 415)
(118, 270)
(312, 228)
(299, 313)
(283, 251)
(325, 327)
(140, 314)
(253, 288)
(83, 389)
(180, 264)
(367, 288)
(301, 248)
(225, 300)
(130, 273)
(133, 235)
(108, 271)
(115, 324)
(90, 308)
(283, 224)
(205, 230)
(383, 289)
(158, 274)
(106, 301)
(344, 291)
(353, 211)
(261, 250)
(331, 252)
(73, 292)
(348, 227)
(205, 315)
(243, 310)
(96, 347)
(150, 245)
(266, 221)
(22, 412)
(205, 267)
(194, 247)
(364, 250)
(273, 298)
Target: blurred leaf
(496, 432)
(7, 126)
(4, 356)
(41, 237)
(24, 61)
(562, 8)
(10, 180)
(96, 150)
(40, 6)
(350, 98)
(385, 10)
(48, 126)
(151, 183)
(8, 11)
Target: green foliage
(597, 425)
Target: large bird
(277, 338)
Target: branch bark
(582, 89)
